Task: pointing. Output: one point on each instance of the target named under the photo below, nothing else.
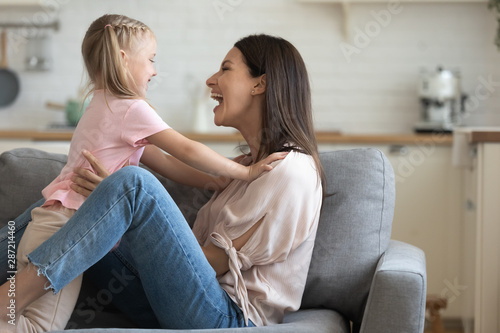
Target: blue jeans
(159, 266)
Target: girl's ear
(260, 86)
(124, 56)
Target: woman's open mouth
(217, 97)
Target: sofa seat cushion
(302, 321)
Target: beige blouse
(266, 278)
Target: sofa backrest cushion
(24, 173)
(353, 232)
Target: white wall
(375, 92)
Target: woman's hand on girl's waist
(84, 180)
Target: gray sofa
(359, 279)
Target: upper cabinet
(399, 1)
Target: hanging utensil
(9, 82)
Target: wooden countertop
(322, 137)
(486, 135)
(480, 134)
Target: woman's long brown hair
(287, 123)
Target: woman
(233, 268)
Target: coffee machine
(441, 99)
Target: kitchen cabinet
(468, 251)
(428, 213)
(481, 252)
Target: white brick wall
(373, 93)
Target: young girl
(118, 123)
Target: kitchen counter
(466, 138)
(480, 134)
(477, 151)
(322, 137)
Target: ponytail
(102, 54)
(115, 78)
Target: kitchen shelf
(22, 3)
(346, 7)
(15, 25)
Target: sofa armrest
(396, 302)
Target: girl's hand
(255, 170)
(239, 158)
(85, 181)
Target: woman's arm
(170, 167)
(217, 256)
(205, 159)
(85, 181)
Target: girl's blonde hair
(101, 50)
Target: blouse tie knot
(235, 265)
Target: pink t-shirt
(114, 135)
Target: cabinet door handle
(398, 149)
(473, 152)
(470, 205)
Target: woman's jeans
(158, 275)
